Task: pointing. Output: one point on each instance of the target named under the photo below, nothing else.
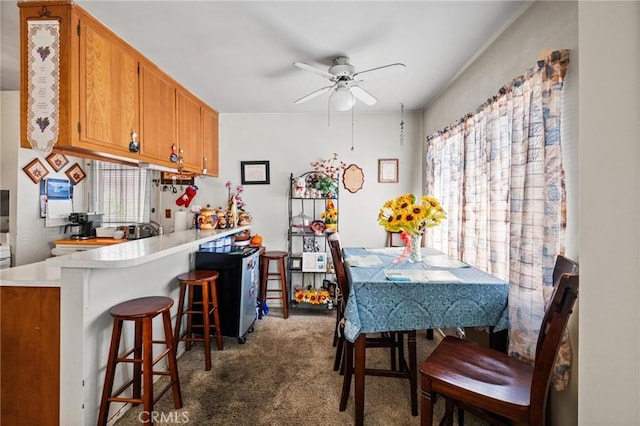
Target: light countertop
(138, 252)
(127, 254)
(91, 241)
(37, 274)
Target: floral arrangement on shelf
(327, 173)
(313, 297)
(410, 216)
(330, 216)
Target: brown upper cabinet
(114, 104)
(157, 116)
(108, 91)
(189, 132)
(210, 140)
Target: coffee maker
(85, 224)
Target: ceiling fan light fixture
(341, 99)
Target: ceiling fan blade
(363, 95)
(381, 71)
(314, 70)
(314, 94)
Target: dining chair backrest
(563, 266)
(552, 329)
(393, 239)
(338, 263)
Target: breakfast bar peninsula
(56, 327)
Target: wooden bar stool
(279, 257)
(206, 280)
(142, 311)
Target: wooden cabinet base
(29, 356)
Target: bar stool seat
(141, 311)
(279, 257)
(206, 281)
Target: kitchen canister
(207, 219)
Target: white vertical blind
(121, 193)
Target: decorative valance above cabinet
(86, 92)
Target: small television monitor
(59, 189)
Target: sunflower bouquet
(412, 215)
(330, 216)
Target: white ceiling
(238, 55)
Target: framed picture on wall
(36, 170)
(254, 172)
(388, 170)
(75, 174)
(57, 161)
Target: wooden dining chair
(385, 340)
(494, 386)
(393, 341)
(393, 239)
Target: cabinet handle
(134, 145)
(204, 165)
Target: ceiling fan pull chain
(352, 126)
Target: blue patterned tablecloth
(376, 304)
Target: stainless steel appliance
(237, 287)
(4, 210)
(5, 256)
(140, 230)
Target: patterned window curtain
(498, 173)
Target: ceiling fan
(345, 89)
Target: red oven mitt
(186, 198)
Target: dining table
(389, 293)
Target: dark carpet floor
(283, 375)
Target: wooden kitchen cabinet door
(109, 103)
(189, 132)
(210, 141)
(30, 356)
(157, 116)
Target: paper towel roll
(180, 221)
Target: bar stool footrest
(122, 389)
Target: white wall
(610, 239)
(601, 140)
(30, 240)
(290, 142)
(545, 25)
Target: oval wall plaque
(353, 178)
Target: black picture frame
(295, 263)
(254, 172)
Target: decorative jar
(244, 218)
(207, 219)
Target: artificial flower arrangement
(235, 197)
(313, 297)
(330, 216)
(406, 214)
(327, 173)
(411, 216)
